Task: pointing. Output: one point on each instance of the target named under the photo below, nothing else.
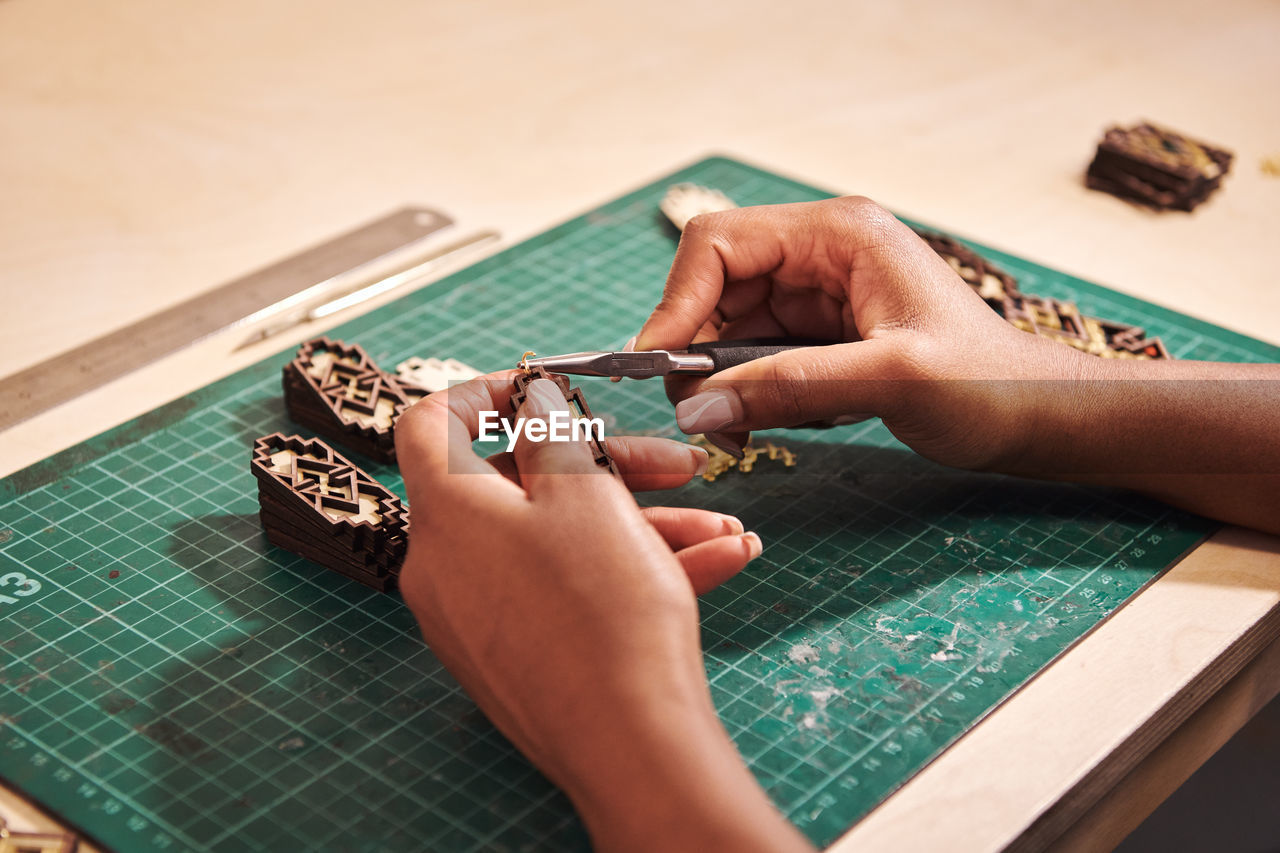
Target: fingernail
(733, 526)
(754, 546)
(709, 411)
(544, 397)
(728, 445)
(701, 458)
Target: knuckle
(855, 203)
(698, 226)
(789, 389)
(867, 213)
(713, 228)
(861, 215)
(693, 227)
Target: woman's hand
(845, 270)
(569, 616)
(950, 377)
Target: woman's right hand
(922, 351)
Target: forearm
(1199, 435)
(663, 775)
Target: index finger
(721, 255)
(715, 248)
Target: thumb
(546, 446)
(792, 388)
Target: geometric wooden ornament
(335, 389)
(318, 505)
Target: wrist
(670, 779)
(1094, 418)
(1053, 398)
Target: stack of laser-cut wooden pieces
(1057, 319)
(314, 501)
(318, 505)
(1157, 167)
(336, 390)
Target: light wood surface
(151, 150)
(1159, 775)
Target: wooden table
(150, 151)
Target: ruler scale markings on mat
(65, 376)
(219, 694)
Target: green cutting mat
(172, 682)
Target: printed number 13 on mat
(17, 584)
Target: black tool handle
(726, 354)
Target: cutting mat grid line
(177, 683)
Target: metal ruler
(245, 300)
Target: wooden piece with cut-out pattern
(434, 374)
(577, 408)
(336, 389)
(317, 504)
(1057, 319)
